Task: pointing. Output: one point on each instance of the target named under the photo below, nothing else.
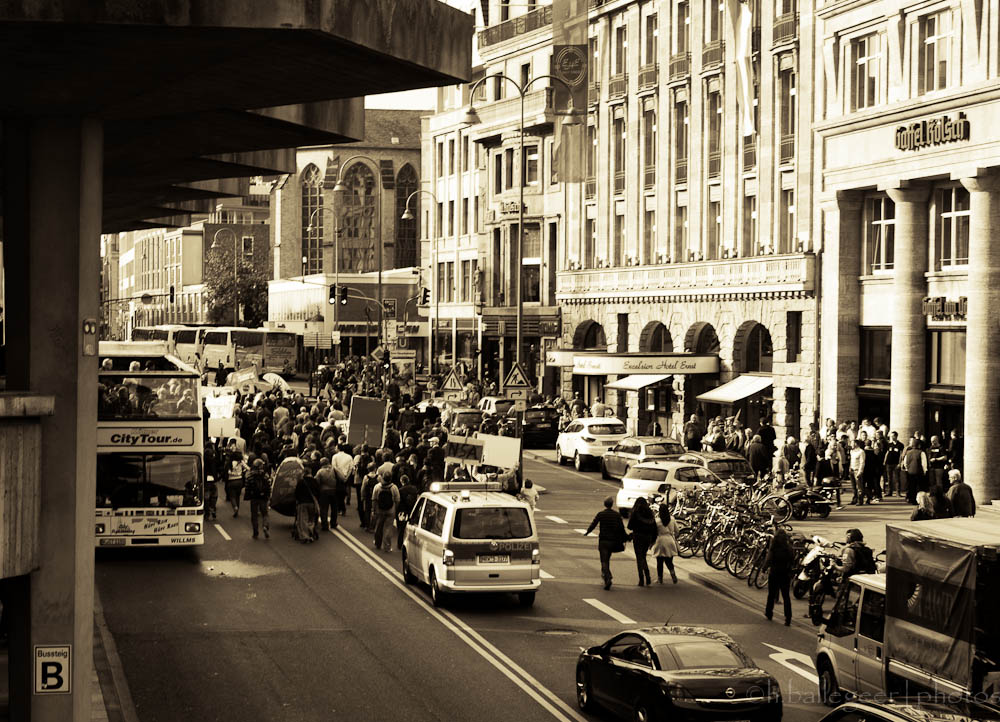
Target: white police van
(471, 537)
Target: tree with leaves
(249, 289)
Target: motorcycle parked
(827, 583)
(811, 565)
(805, 501)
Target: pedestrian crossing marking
(544, 574)
(223, 532)
(557, 520)
(581, 531)
(613, 613)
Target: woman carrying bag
(643, 527)
(665, 546)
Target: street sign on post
(335, 337)
(516, 383)
(452, 382)
(389, 308)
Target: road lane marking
(507, 666)
(581, 531)
(223, 532)
(588, 477)
(544, 574)
(557, 520)
(613, 613)
(785, 657)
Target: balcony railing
(712, 53)
(516, 26)
(649, 76)
(618, 86)
(594, 92)
(749, 156)
(590, 187)
(536, 103)
(761, 274)
(714, 163)
(786, 148)
(619, 181)
(649, 177)
(680, 65)
(681, 171)
(786, 28)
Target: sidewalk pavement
(110, 698)
(870, 519)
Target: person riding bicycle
(857, 557)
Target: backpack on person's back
(384, 501)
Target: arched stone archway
(753, 351)
(590, 335)
(701, 338)
(655, 337)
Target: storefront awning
(636, 382)
(736, 390)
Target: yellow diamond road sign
(516, 379)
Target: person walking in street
(408, 494)
(779, 561)
(665, 546)
(236, 475)
(529, 493)
(258, 493)
(306, 510)
(963, 502)
(692, 434)
(643, 527)
(327, 495)
(342, 464)
(760, 460)
(914, 470)
(610, 537)
(385, 499)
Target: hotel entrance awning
(636, 382)
(736, 390)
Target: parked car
(586, 439)
(461, 420)
(540, 428)
(636, 449)
(675, 672)
(914, 709)
(495, 405)
(724, 464)
(660, 477)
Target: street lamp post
(336, 269)
(432, 332)
(236, 291)
(471, 118)
(339, 187)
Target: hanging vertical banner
(569, 64)
(743, 34)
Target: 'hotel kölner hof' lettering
(936, 131)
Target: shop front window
(532, 285)
(947, 358)
(876, 354)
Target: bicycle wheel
(715, 555)
(738, 560)
(763, 574)
(776, 506)
(686, 543)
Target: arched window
(656, 338)
(758, 353)
(356, 246)
(594, 338)
(406, 230)
(312, 223)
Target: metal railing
(680, 170)
(590, 187)
(680, 65)
(749, 155)
(786, 28)
(649, 76)
(520, 25)
(618, 86)
(714, 163)
(712, 53)
(594, 92)
(619, 181)
(649, 177)
(786, 148)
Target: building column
(840, 306)
(52, 224)
(982, 345)
(909, 342)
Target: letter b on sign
(53, 669)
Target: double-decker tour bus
(150, 449)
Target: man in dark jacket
(760, 460)
(767, 436)
(258, 493)
(408, 494)
(780, 560)
(963, 503)
(327, 481)
(610, 537)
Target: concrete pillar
(909, 358)
(55, 222)
(841, 305)
(982, 345)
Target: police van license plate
(494, 558)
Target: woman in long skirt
(665, 546)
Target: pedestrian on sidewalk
(665, 546)
(779, 560)
(858, 472)
(610, 538)
(914, 470)
(963, 502)
(258, 493)
(643, 527)
(890, 465)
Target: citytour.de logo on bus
(131, 437)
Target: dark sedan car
(676, 673)
(540, 427)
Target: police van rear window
(492, 523)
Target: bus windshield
(135, 396)
(148, 480)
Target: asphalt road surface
(245, 629)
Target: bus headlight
(192, 528)
(448, 557)
(99, 529)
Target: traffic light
(343, 295)
(425, 296)
(333, 294)
(171, 294)
(386, 363)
